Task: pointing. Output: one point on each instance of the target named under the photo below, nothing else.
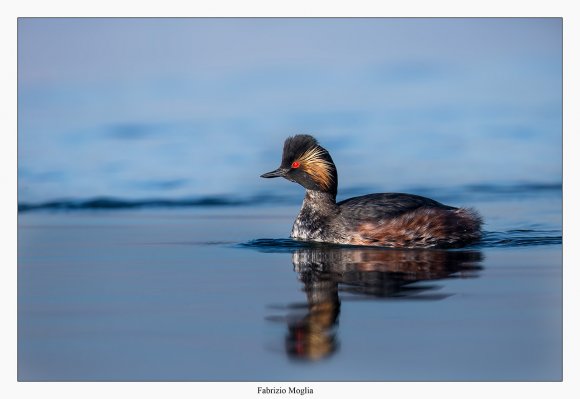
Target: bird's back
(406, 221)
(385, 206)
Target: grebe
(388, 219)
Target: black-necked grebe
(388, 219)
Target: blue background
(176, 108)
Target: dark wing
(386, 205)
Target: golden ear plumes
(313, 163)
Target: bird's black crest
(295, 146)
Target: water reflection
(362, 274)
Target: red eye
(295, 165)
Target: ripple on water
(490, 239)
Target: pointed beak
(275, 173)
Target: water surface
(220, 293)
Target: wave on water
(519, 238)
(118, 203)
(282, 245)
(490, 239)
(455, 194)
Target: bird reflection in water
(363, 274)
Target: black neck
(322, 199)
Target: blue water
(179, 108)
(150, 249)
(206, 293)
